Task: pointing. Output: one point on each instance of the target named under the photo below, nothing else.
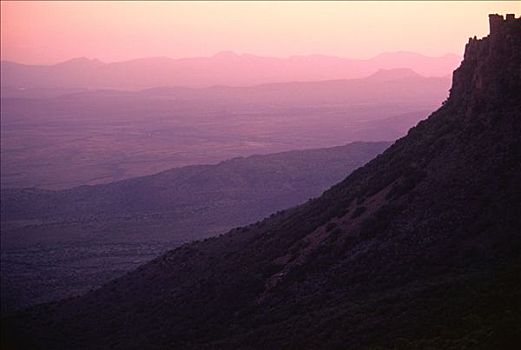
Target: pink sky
(48, 32)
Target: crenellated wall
(499, 24)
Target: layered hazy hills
(417, 249)
(57, 244)
(179, 204)
(61, 138)
(392, 86)
(385, 85)
(226, 68)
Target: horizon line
(232, 53)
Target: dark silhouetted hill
(420, 248)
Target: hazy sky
(48, 32)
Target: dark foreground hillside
(420, 248)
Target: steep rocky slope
(417, 249)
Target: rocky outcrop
(491, 69)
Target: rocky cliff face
(417, 249)
(490, 73)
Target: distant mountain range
(226, 68)
(418, 249)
